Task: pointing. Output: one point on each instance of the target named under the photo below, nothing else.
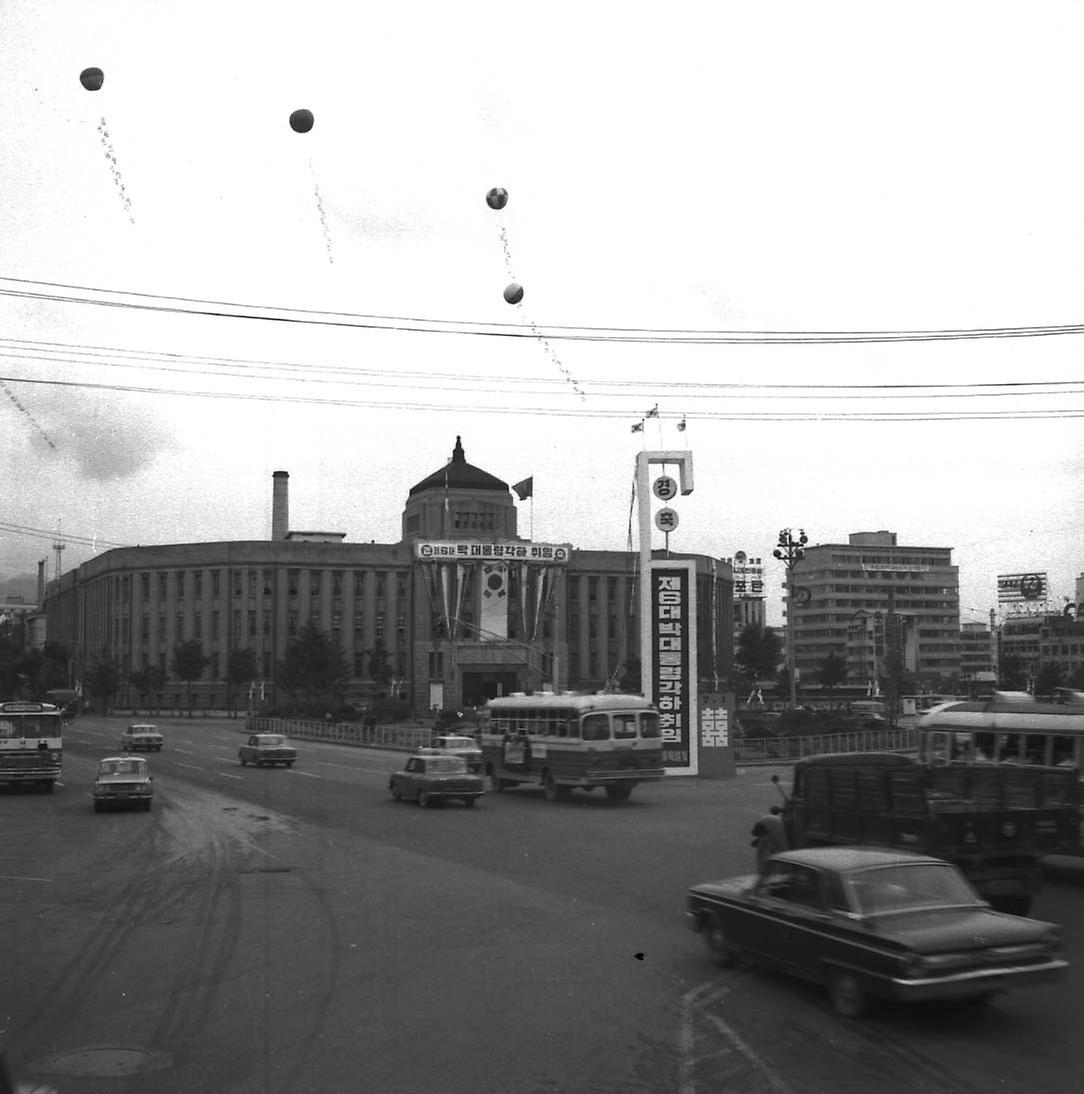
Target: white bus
(31, 743)
(561, 742)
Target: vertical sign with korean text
(673, 662)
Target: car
(432, 775)
(873, 924)
(267, 750)
(141, 735)
(454, 744)
(123, 780)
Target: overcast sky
(697, 189)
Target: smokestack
(41, 582)
(280, 505)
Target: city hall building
(459, 610)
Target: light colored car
(141, 735)
(267, 750)
(430, 776)
(123, 780)
(454, 744)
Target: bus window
(1010, 749)
(596, 727)
(569, 727)
(1064, 752)
(1035, 748)
(985, 744)
(938, 749)
(624, 726)
(649, 725)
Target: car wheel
(396, 793)
(847, 993)
(97, 807)
(469, 802)
(425, 799)
(716, 941)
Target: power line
(220, 309)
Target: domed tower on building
(459, 501)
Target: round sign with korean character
(666, 520)
(665, 488)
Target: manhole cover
(105, 1060)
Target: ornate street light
(789, 551)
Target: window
(596, 727)
(649, 724)
(624, 726)
(197, 584)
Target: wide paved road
(296, 930)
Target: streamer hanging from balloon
(302, 121)
(92, 79)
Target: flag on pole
(653, 412)
(525, 489)
(681, 424)
(638, 427)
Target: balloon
(92, 78)
(301, 121)
(514, 293)
(497, 198)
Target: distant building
(748, 591)
(978, 657)
(857, 599)
(459, 610)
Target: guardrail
(405, 738)
(787, 749)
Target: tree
(1011, 674)
(831, 672)
(380, 665)
(242, 668)
(103, 679)
(314, 664)
(758, 653)
(188, 664)
(138, 680)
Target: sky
(842, 242)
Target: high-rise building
(862, 598)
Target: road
(297, 930)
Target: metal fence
(787, 749)
(406, 738)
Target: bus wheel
(618, 792)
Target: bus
(1008, 728)
(561, 742)
(31, 743)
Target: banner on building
(467, 550)
(748, 576)
(494, 613)
(1021, 588)
(673, 662)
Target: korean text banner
(672, 638)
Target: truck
(995, 823)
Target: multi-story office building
(978, 657)
(748, 574)
(857, 599)
(460, 609)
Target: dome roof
(457, 474)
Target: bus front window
(596, 727)
(649, 725)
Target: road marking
(227, 775)
(195, 767)
(16, 877)
(307, 774)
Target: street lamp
(789, 551)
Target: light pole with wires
(789, 551)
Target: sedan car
(267, 750)
(871, 924)
(430, 776)
(141, 735)
(454, 744)
(123, 780)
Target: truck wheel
(425, 799)
(847, 993)
(618, 792)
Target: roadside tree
(188, 664)
(242, 667)
(758, 653)
(102, 679)
(314, 666)
(831, 672)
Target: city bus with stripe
(31, 743)
(569, 741)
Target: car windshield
(456, 742)
(445, 765)
(143, 729)
(121, 767)
(888, 889)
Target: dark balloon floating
(92, 78)
(301, 121)
(497, 198)
(514, 293)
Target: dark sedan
(267, 750)
(873, 924)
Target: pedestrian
(769, 837)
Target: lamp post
(789, 551)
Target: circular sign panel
(1031, 586)
(665, 488)
(666, 520)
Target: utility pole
(789, 551)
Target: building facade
(862, 598)
(459, 610)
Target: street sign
(666, 519)
(665, 488)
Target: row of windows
(617, 725)
(154, 585)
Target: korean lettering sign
(472, 550)
(671, 638)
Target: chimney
(41, 582)
(280, 505)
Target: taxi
(141, 735)
(123, 780)
(432, 775)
